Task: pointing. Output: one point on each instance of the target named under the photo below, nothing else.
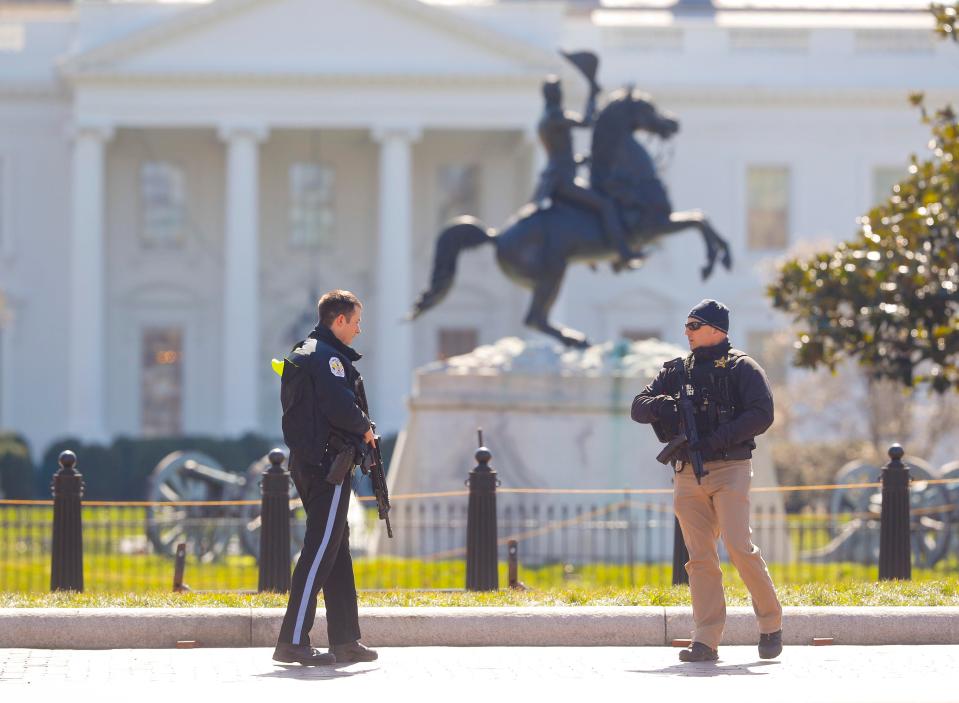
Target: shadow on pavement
(705, 669)
(297, 671)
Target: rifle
(688, 433)
(372, 464)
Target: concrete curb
(158, 628)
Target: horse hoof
(574, 340)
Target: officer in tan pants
(733, 404)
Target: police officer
(321, 418)
(733, 403)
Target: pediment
(314, 38)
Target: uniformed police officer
(320, 405)
(733, 404)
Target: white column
(86, 383)
(241, 291)
(8, 320)
(394, 272)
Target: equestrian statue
(624, 205)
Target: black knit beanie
(713, 313)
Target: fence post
(179, 567)
(895, 546)
(66, 565)
(512, 550)
(481, 563)
(680, 556)
(275, 526)
(630, 545)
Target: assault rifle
(372, 464)
(687, 431)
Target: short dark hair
(336, 303)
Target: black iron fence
(617, 538)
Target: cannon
(855, 510)
(209, 531)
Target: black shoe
(353, 652)
(698, 652)
(771, 645)
(301, 654)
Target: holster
(670, 451)
(344, 460)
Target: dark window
(454, 341)
(767, 204)
(161, 388)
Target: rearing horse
(537, 244)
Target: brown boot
(353, 652)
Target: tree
(946, 18)
(890, 297)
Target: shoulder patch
(336, 367)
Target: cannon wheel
(950, 471)
(250, 524)
(848, 503)
(929, 515)
(204, 530)
(930, 528)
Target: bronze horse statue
(537, 244)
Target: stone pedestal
(556, 421)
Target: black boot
(698, 652)
(771, 645)
(301, 654)
(353, 652)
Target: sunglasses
(695, 325)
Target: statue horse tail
(462, 233)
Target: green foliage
(889, 298)
(946, 18)
(119, 471)
(938, 592)
(16, 467)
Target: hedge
(16, 467)
(119, 471)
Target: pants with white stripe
(325, 562)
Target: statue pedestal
(557, 423)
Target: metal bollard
(275, 527)
(179, 567)
(512, 549)
(895, 545)
(66, 565)
(680, 557)
(481, 546)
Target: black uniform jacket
(752, 401)
(308, 421)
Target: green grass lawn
(940, 592)
(118, 558)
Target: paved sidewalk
(917, 674)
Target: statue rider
(558, 179)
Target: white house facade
(180, 180)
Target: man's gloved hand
(703, 444)
(666, 409)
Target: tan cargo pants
(720, 506)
